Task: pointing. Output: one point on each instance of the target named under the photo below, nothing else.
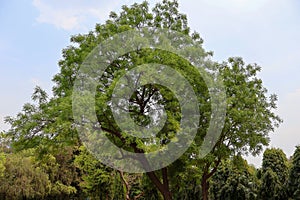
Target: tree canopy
(48, 125)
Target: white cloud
(65, 19)
(75, 14)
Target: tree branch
(126, 184)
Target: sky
(34, 32)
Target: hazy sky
(33, 33)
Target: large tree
(248, 121)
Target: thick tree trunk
(204, 187)
(167, 195)
(162, 187)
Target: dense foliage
(294, 177)
(75, 174)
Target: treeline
(73, 173)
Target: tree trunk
(204, 187)
(167, 195)
(162, 187)
(206, 175)
(166, 183)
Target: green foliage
(276, 160)
(22, 179)
(294, 176)
(185, 181)
(249, 119)
(250, 115)
(271, 187)
(97, 180)
(235, 179)
(26, 175)
(61, 170)
(2, 163)
(47, 124)
(274, 175)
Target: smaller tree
(23, 180)
(97, 180)
(235, 179)
(62, 173)
(274, 174)
(294, 176)
(276, 160)
(271, 187)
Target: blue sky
(33, 33)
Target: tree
(234, 179)
(98, 181)
(294, 176)
(61, 171)
(271, 188)
(276, 160)
(50, 122)
(274, 174)
(23, 180)
(249, 118)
